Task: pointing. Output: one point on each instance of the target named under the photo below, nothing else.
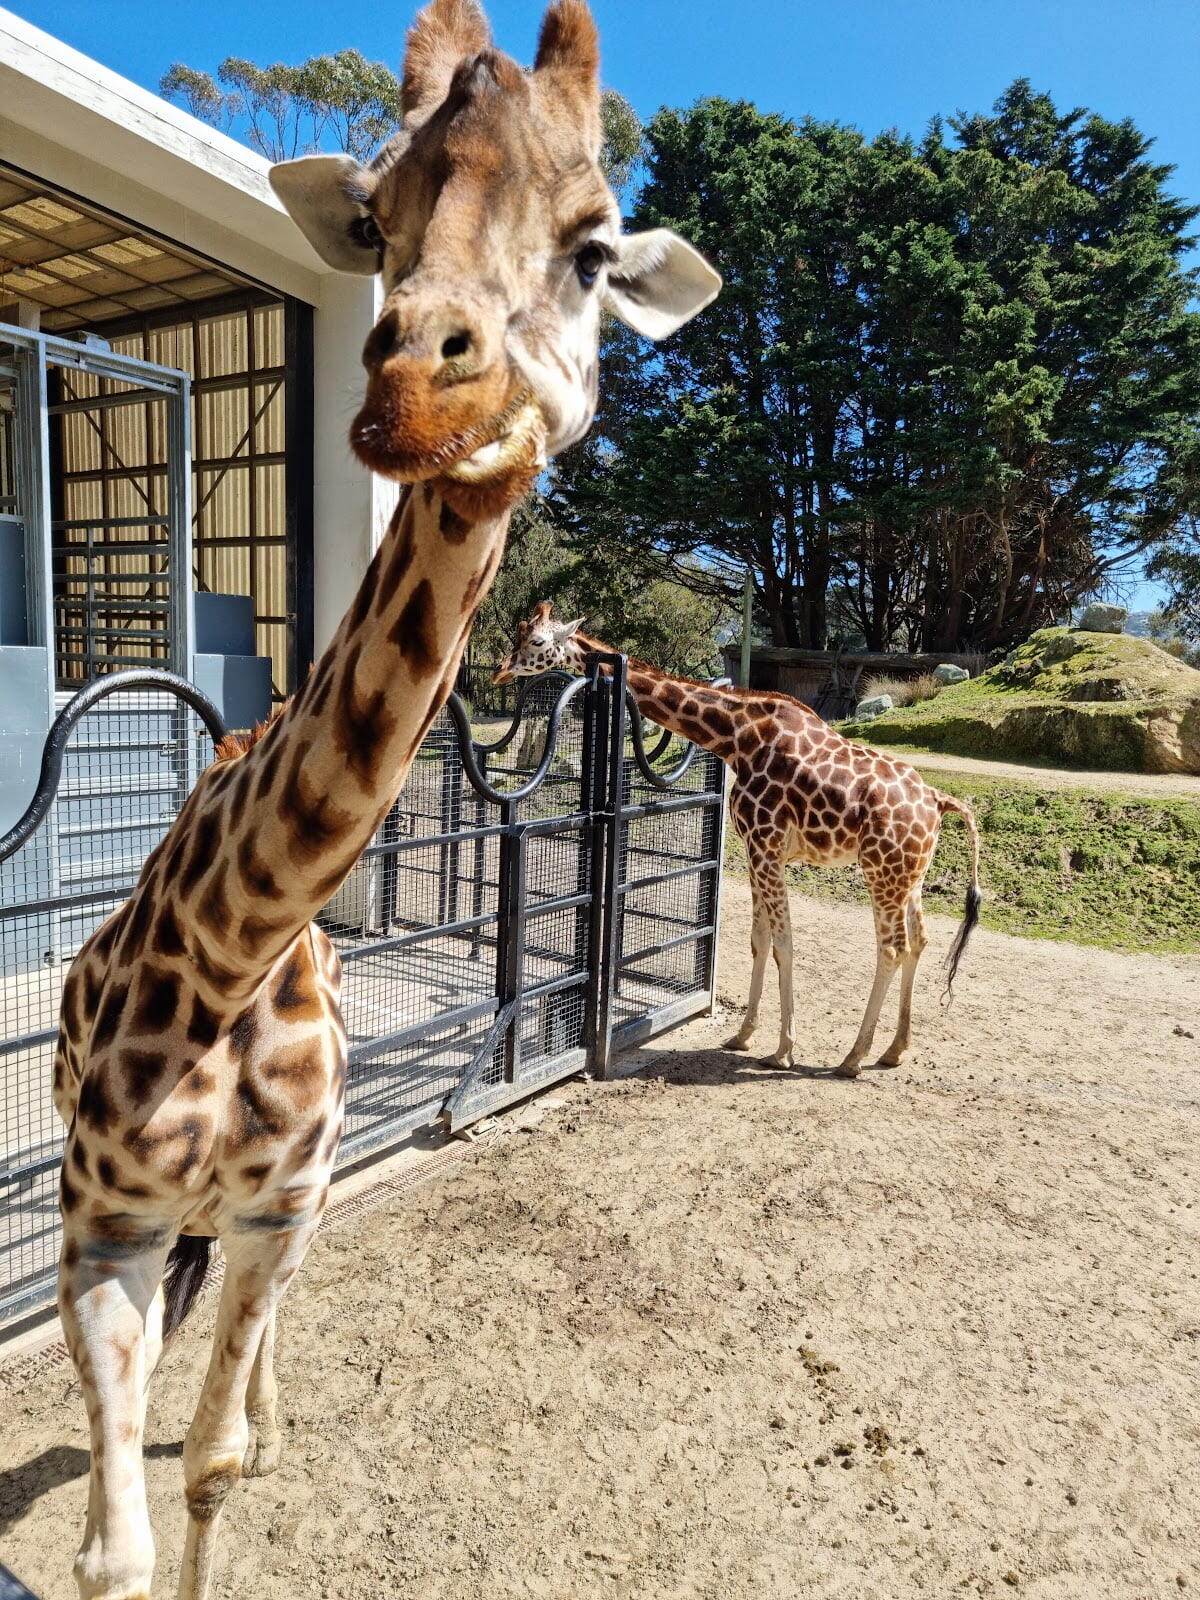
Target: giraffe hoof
(262, 1455)
(782, 1061)
(889, 1060)
(737, 1042)
(848, 1068)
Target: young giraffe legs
(760, 944)
(914, 920)
(891, 947)
(109, 1275)
(772, 927)
(260, 1262)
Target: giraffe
(800, 792)
(201, 1061)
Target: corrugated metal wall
(113, 467)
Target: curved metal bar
(523, 694)
(468, 747)
(78, 706)
(656, 780)
(644, 759)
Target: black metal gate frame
(610, 717)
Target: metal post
(747, 610)
(607, 949)
(510, 933)
(179, 530)
(478, 864)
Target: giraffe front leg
(771, 891)
(263, 1447)
(781, 946)
(760, 944)
(109, 1272)
(262, 1255)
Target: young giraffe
(800, 792)
(202, 1056)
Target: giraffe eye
(365, 231)
(588, 262)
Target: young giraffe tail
(183, 1279)
(947, 802)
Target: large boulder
(866, 710)
(947, 673)
(1107, 701)
(1102, 618)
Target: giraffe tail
(183, 1278)
(948, 802)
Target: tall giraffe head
(542, 645)
(499, 243)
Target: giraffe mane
(234, 745)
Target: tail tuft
(969, 921)
(183, 1279)
(971, 915)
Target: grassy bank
(1106, 869)
(1105, 701)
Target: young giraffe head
(499, 242)
(541, 645)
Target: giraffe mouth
(516, 439)
(487, 453)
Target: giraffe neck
(695, 711)
(266, 838)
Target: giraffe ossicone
(201, 1060)
(800, 792)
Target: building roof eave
(55, 93)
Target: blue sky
(872, 63)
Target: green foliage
(341, 101)
(622, 146)
(940, 393)
(652, 618)
(1177, 560)
(1112, 870)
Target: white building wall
(351, 507)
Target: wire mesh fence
(541, 891)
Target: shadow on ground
(21, 1486)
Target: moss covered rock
(1107, 701)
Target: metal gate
(107, 547)
(542, 896)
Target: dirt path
(630, 1350)
(1164, 785)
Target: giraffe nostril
(382, 341)
(456, 345)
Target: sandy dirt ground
(722, 1332)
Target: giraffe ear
(658, 282)
(325, 196)
(445, 33)
(567, 630)
(568, 54)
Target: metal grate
(531, 900)
(128, 761)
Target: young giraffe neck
(695, 711)
(266, 839)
